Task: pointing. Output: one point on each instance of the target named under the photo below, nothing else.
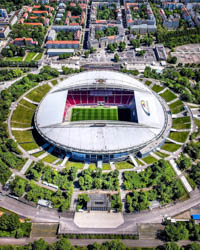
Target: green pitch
(94, 113)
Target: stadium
(103, 116)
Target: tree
(122, 46)
(63, 244)
(39, 245)
(9, 222)
(111, 48)
(135, 43)
(141, 53)
(92, 50)
(172, 60)
(116, 57)
(184, 162)
(171, 246)
(86, 54)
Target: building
(4, 31)
(144, 129)
(57, 52)
(99, 202)
(3, 13)
(160, 52)
(104, 41)
(63, 44)
(139, 25)
(6, 19)
(52, 35)
(24, 42)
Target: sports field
(94, 113)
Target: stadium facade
(103, 116)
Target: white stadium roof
(114, 136)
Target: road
(86, 242)
(130, 220)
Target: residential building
(24, 42)
(4, 31)
(63, 44)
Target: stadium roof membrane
(112, 137)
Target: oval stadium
(103, 116)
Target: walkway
(65, 160)
(181, 176)
(133, 160)
(28, 100)
(36, 150)
(26, 166)
(22, 129)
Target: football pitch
(94, 113)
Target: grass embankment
(123, 165)
(37, 94)
(168, 95)
(181, 123)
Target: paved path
(175, 142)
(28, 100)
(50, 150)
(65, 160)
(112, 165)
(181, 176)
(133, 160)
(26, 166)
(155, 156)
(174, 100)
(22, 129)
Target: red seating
(79, 97)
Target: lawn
(37, 94)
(92, 166)
(96, 113)
(38, 57)
(77, 164)
(39, 153)
(50, 158)
(30, 56)
(157, 88)
(161, 154)
(19, 125)
(28, 104)
(139, 162)
(106, 166)
(182, 126)
(14, 59)
(179, 136)
(23, 136)
(148, 83)
(54, 82)
(181, 123)
(149, 159)
(171, 147)
(168, 95)
(197, 123)
(176, 104)
(23, 115)
(29, 146)
(179, 120)
(176, 107)
(123, 165)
